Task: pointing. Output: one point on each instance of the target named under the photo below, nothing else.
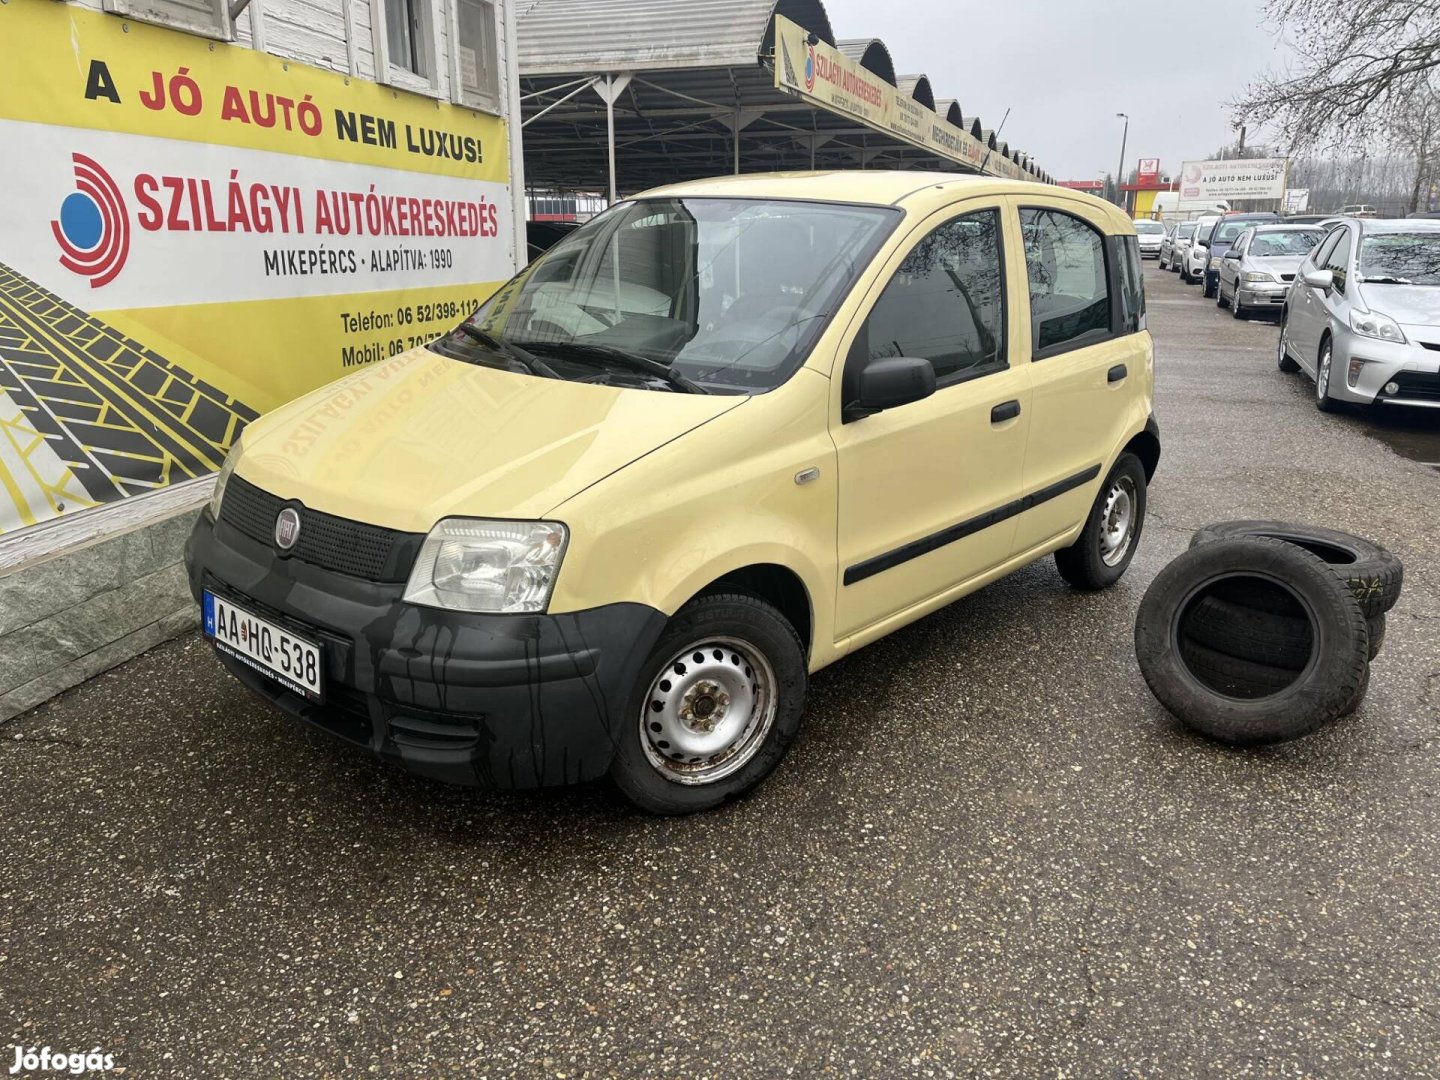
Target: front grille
(1287, 277)
(1431, 345)
(1417, 386)
(329, 542)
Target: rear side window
(1132, 286)
(1069, 285)
(946, 303)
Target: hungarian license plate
(292, 661)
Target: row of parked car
(1358, 298)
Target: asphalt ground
(991, 853)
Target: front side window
(1400, 258)
(1185, 230)
(1339, 261)
(1227, 231)
(946, 303)
(1322, 255)
(1069, 286)
(687, 294)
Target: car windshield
(1401, 258)
(695, 294)
(1185, 229)
(1297, 242)
(1227, 231)
(1149, 227)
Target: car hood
(1409, 305)
(422, 437)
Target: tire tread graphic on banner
(123, 418)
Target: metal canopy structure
(622, 95)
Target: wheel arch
(776, 584)
(1146, 446)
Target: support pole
(610, 88)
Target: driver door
(924, 487)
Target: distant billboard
(1205, 183)
(1297, 200)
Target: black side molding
(1116, 373)
(951, 533)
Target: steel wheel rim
(1117, 520)
(1322, 378)
(708, 711)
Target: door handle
(1006, 410)
(1116, 373)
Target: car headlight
(1375, 325)
(1257, 275)
(474, 564)
(217, 493)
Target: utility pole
(1120, 175)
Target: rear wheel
(1323, 401)
(1102, 552)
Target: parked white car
(1151, 234)
(1197, 252)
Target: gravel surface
(991, 853)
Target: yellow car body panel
(422, 437)
(665, 493)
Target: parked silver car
(1362, 316)
(1172, 248)
(1257, 269)
(1150, 235)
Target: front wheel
(1205, 290)
(1102, 552)
(1237, 309)
(716, 705)
(1323, 401)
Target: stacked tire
(1264, 631)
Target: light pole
(1120, 175)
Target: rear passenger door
(1089, 359)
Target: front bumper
(500, 701)
(1263, 293)
(1414, 369)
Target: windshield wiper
(633, 361)
(528, 360)
(1385, 279)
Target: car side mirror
(1232, 254)
(1320, 279)
(889, 382)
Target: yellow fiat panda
(714, 440)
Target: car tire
(1283, 358)
(1205, 290)
(1220, 301)
(1323, 372)
(1238, 703)
(1237, 309)
(1184, 274)
(1102, 552)
(1373, 574)
(1265, 637)
(748, 653)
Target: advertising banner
(1297, 200)
(1204, 183)
(193, 233)
(826, 76)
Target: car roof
(1391, 225)
(876, 187)
(1286, 226)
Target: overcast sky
(1065, 68)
